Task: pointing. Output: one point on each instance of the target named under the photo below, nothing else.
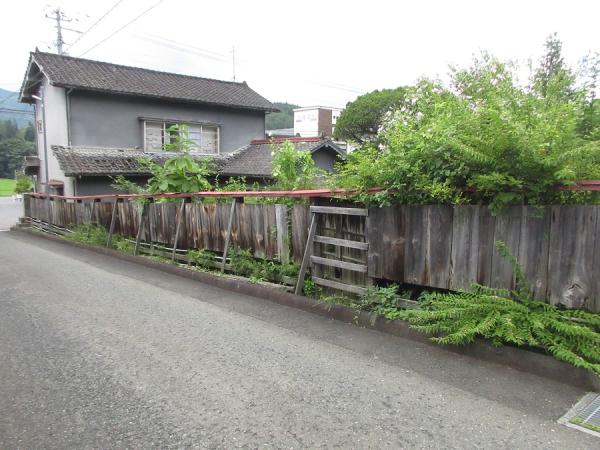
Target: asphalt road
(100, 353)
(10, 210)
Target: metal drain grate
(585, 415)
(589, 417)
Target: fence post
(113, 219)
(228, 236)
(141, 225)
(283, 237)
(178, 226)
(307, 254)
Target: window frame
(166, 123)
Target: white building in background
(315, 121)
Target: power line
(5, 99)
(68, 63)
(122, 28)
(18, 111)
(111, 9)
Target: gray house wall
(102, 185)
(325, 158)
(103, 120)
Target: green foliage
(361, 120)
(380, 300)
(124, 245)
(125, 185)
(7, 187)
(97, 235)
(233, 184)
(282, 119)
(485, 138)
(90, 234)
(311, 289)
(293, 169)
(202, 257)
(23, 184)
(508, 317)
(243, 263)
(12, 153)
(180, 173)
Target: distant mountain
(10, 108)
(283, 119)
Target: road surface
(100, 353)
(10, 210)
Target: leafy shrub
(379, 300)
(124, 245)
(508, 317)
(23, 185)
(243, 263)
(485, 138)
(311, 289)
(202, 257)
(90, 234)
(294, 169)
(458, 318)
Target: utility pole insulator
(59, 17)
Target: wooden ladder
(310, 258)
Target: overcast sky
(305, 52)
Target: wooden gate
(336, 249)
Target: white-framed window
(204, 137)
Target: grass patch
(7, 187)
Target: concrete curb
(531, 361)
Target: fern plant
(508, 317)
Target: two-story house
(95, 120)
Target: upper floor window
(204, 138)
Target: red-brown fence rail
(439, 246)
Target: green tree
(294, 169)
(180, 173)
(29, 133)
(553, 78)
(485, 138)
(8, 129)
(362, 119)
(12, 154)
(282, 119)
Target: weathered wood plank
(228, 236)
(283, 236)
(571, 256)
(533, 248)
(339, 264)
(340, 286)
(386, 235)
(342, 242)
(308, 249)
(300, 224)
(507, 230)
(338, 210)
(594, 303)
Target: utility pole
(59, 17)
(233, 53)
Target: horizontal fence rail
(437, 246)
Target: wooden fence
(451, 247)
(434, 246)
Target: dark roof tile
(78, 73)
(256, 159)
(97, 161)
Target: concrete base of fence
(526, 360)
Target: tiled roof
(96, 161)
(78, 73)
(256, 159)
(252, 160)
